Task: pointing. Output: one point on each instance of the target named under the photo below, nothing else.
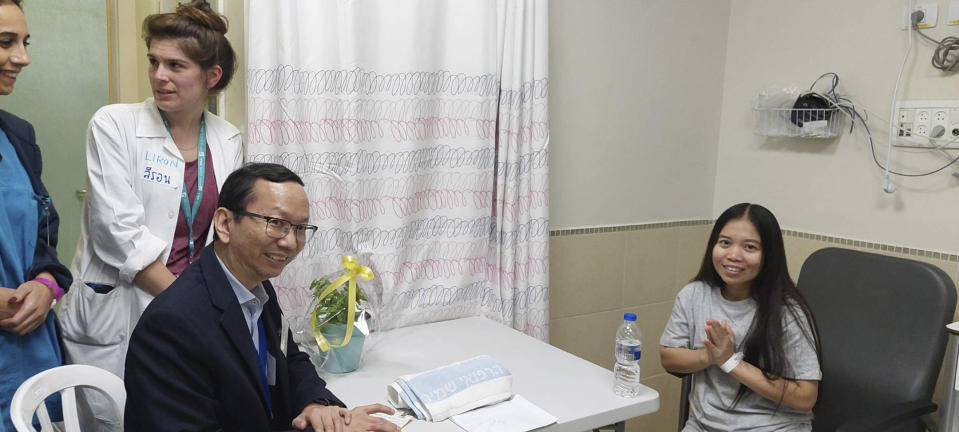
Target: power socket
(930, 15)
(919, 120)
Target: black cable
(832, 88)
(945, 57)
(847, 106)
(838, 102)
(872, 149)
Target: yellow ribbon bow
(353, 269)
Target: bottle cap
(629, 316)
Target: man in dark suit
(206, 353)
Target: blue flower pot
(343, 359)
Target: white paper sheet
(398, 419)
(514, 415)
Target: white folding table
(574, 390)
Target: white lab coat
(134, 179)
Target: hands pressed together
(719, 341)
(324, 418)
(29, 303)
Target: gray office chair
(882, 327)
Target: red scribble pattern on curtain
(437, 179)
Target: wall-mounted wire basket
(801, 123)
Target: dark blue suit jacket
(191, 365)
(23, 138)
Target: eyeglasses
(279, 228)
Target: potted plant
(331, 312)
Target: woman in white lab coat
(153, 174)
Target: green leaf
(334, 305)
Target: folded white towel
(456, 388)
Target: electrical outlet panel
(930, 14)
(920, 120)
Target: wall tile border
(839, 241)
(621, 228)
(874, 246)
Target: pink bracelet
(57, 291)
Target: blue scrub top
(21, 356)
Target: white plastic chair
(30, 396)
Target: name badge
(160, 169)
(270, 370)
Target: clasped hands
(324, 418)
(719, 342)
(23, 309)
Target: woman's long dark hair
(773, 290)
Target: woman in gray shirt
(745, 332)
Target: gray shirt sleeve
(803, 362)
(677, 331)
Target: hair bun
(200, 12)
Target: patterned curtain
(421, 130)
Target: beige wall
(130, 71)
(651, 116)
(635, 92)
(642, 271)
(832, 186)
(816, 188)
(233, 99)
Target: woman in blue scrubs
(31, 276)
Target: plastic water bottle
(629, 341)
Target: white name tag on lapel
(284, 331)
(270, 369)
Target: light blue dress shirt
(252, 302)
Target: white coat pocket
(91, 318)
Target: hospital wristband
(732, 362)
(57, 291)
